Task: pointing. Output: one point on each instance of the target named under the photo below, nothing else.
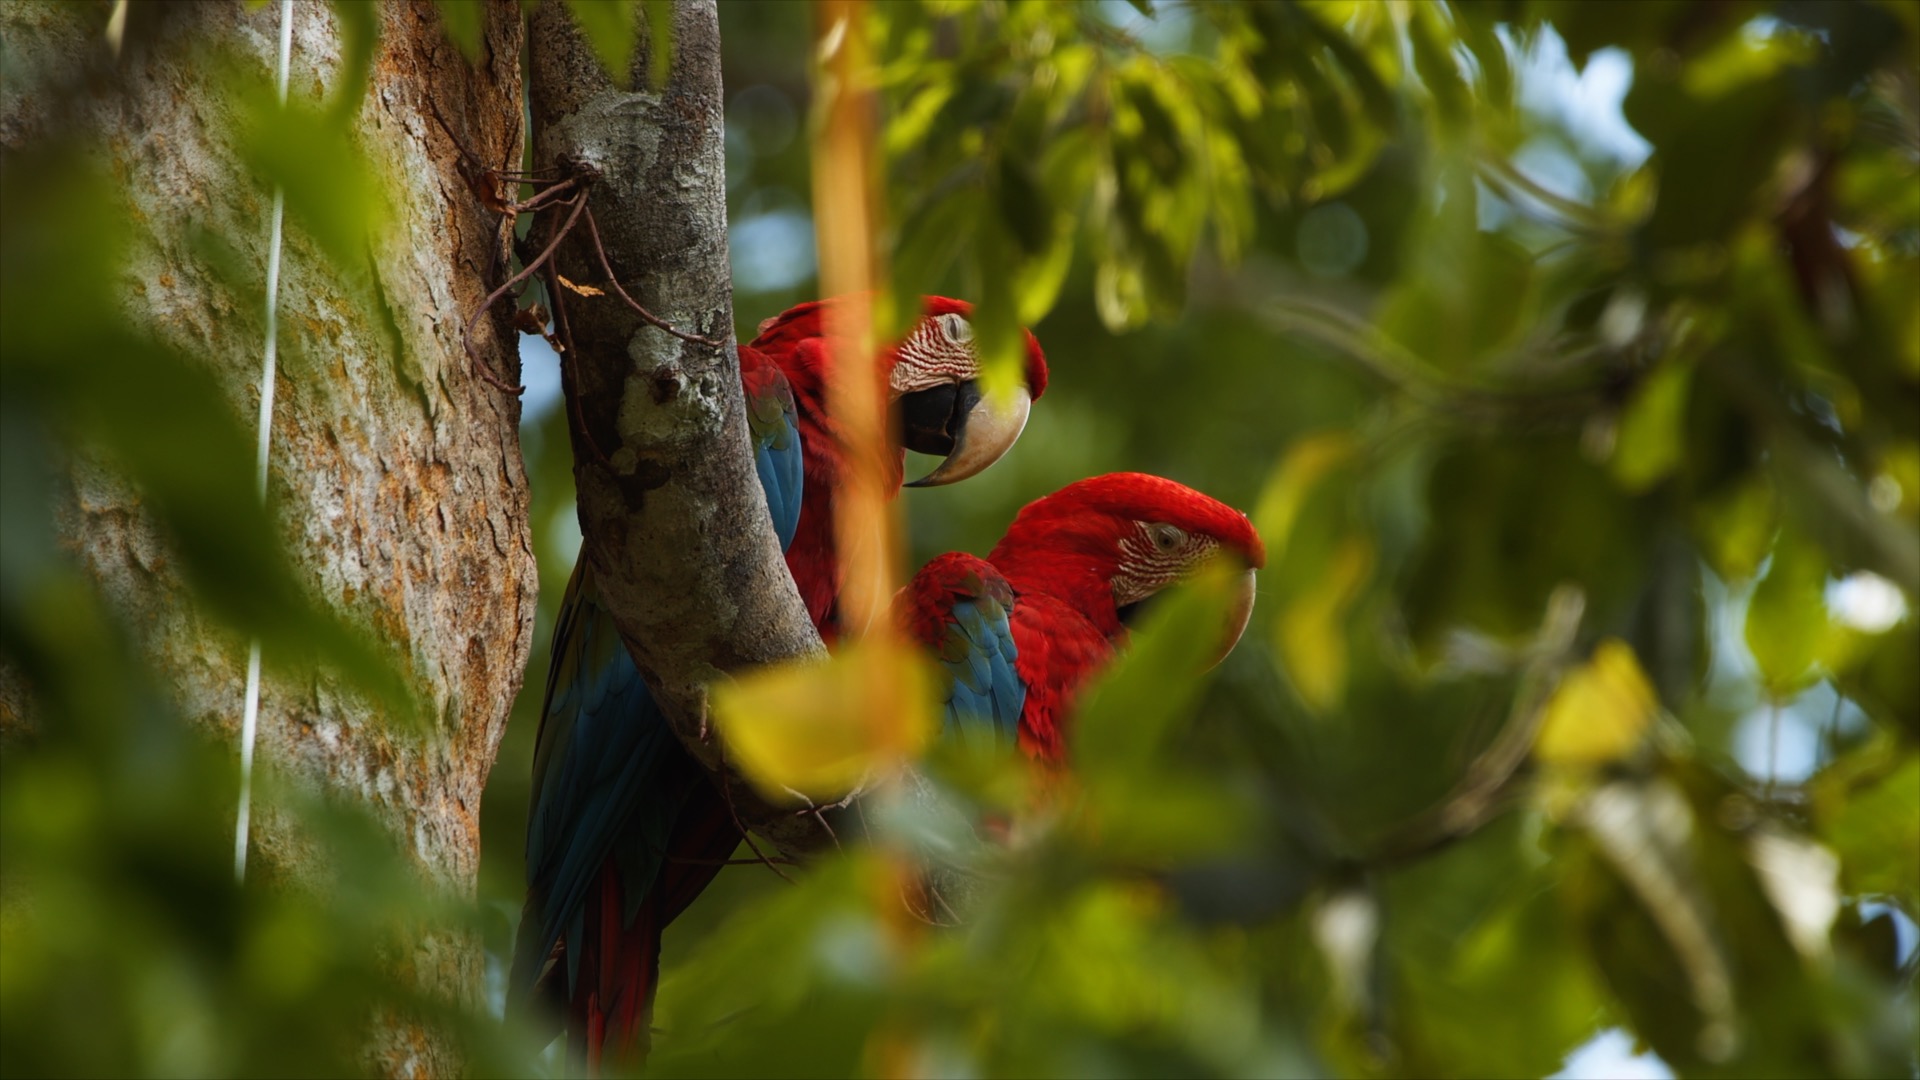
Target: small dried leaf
(531, 320)
(495, 193)
(583, 290)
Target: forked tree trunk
(397, 477)
(674, 522)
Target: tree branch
(675, 524)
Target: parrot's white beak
(986, 431)
(1239, 612)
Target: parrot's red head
(1109, 544)
(933, 381)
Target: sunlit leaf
(1312, 626)
(1650, 443)
(1787, 629)
(1601, 710)
(1738, 527)
(821, 729)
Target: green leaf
(611, 27)
(1439, 71)
(1487, 973)
(466, 22)
(933, 234)
(1787, 625)
(1511, 521)
(1132, 712)
(997, 334)
(1868, 810)
(1650, 443)
(331, 188)
(1716, 137)
(799, 961)
(1736, 527)
(1023, 205)
(659, 16)
(1884, 680)
(359, 38)
(1476, 28)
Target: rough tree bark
(673, 519)
(396, 473)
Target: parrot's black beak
(954, 420)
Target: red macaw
(625, 828)
(932, 379)
(1022, 631)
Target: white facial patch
(938, 352)
(1155, 556)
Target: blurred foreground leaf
(822, 729)
(1600, 711)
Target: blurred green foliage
(1505, 369)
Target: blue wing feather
(608, 775)
(986, 695)
(781, 476)
(772, 423)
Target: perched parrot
(1022, 631)
(626, 829)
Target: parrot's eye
(1166, 538)
(955, 328)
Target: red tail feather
(610, 1019)
(611, 1014)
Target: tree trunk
(674, 521)
(396, 472)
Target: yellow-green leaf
(1650, 442)
(1306, 463)
(1787, 624)
(822, 729)
(1312, 628)
(1599, 711)
(1736, 527)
